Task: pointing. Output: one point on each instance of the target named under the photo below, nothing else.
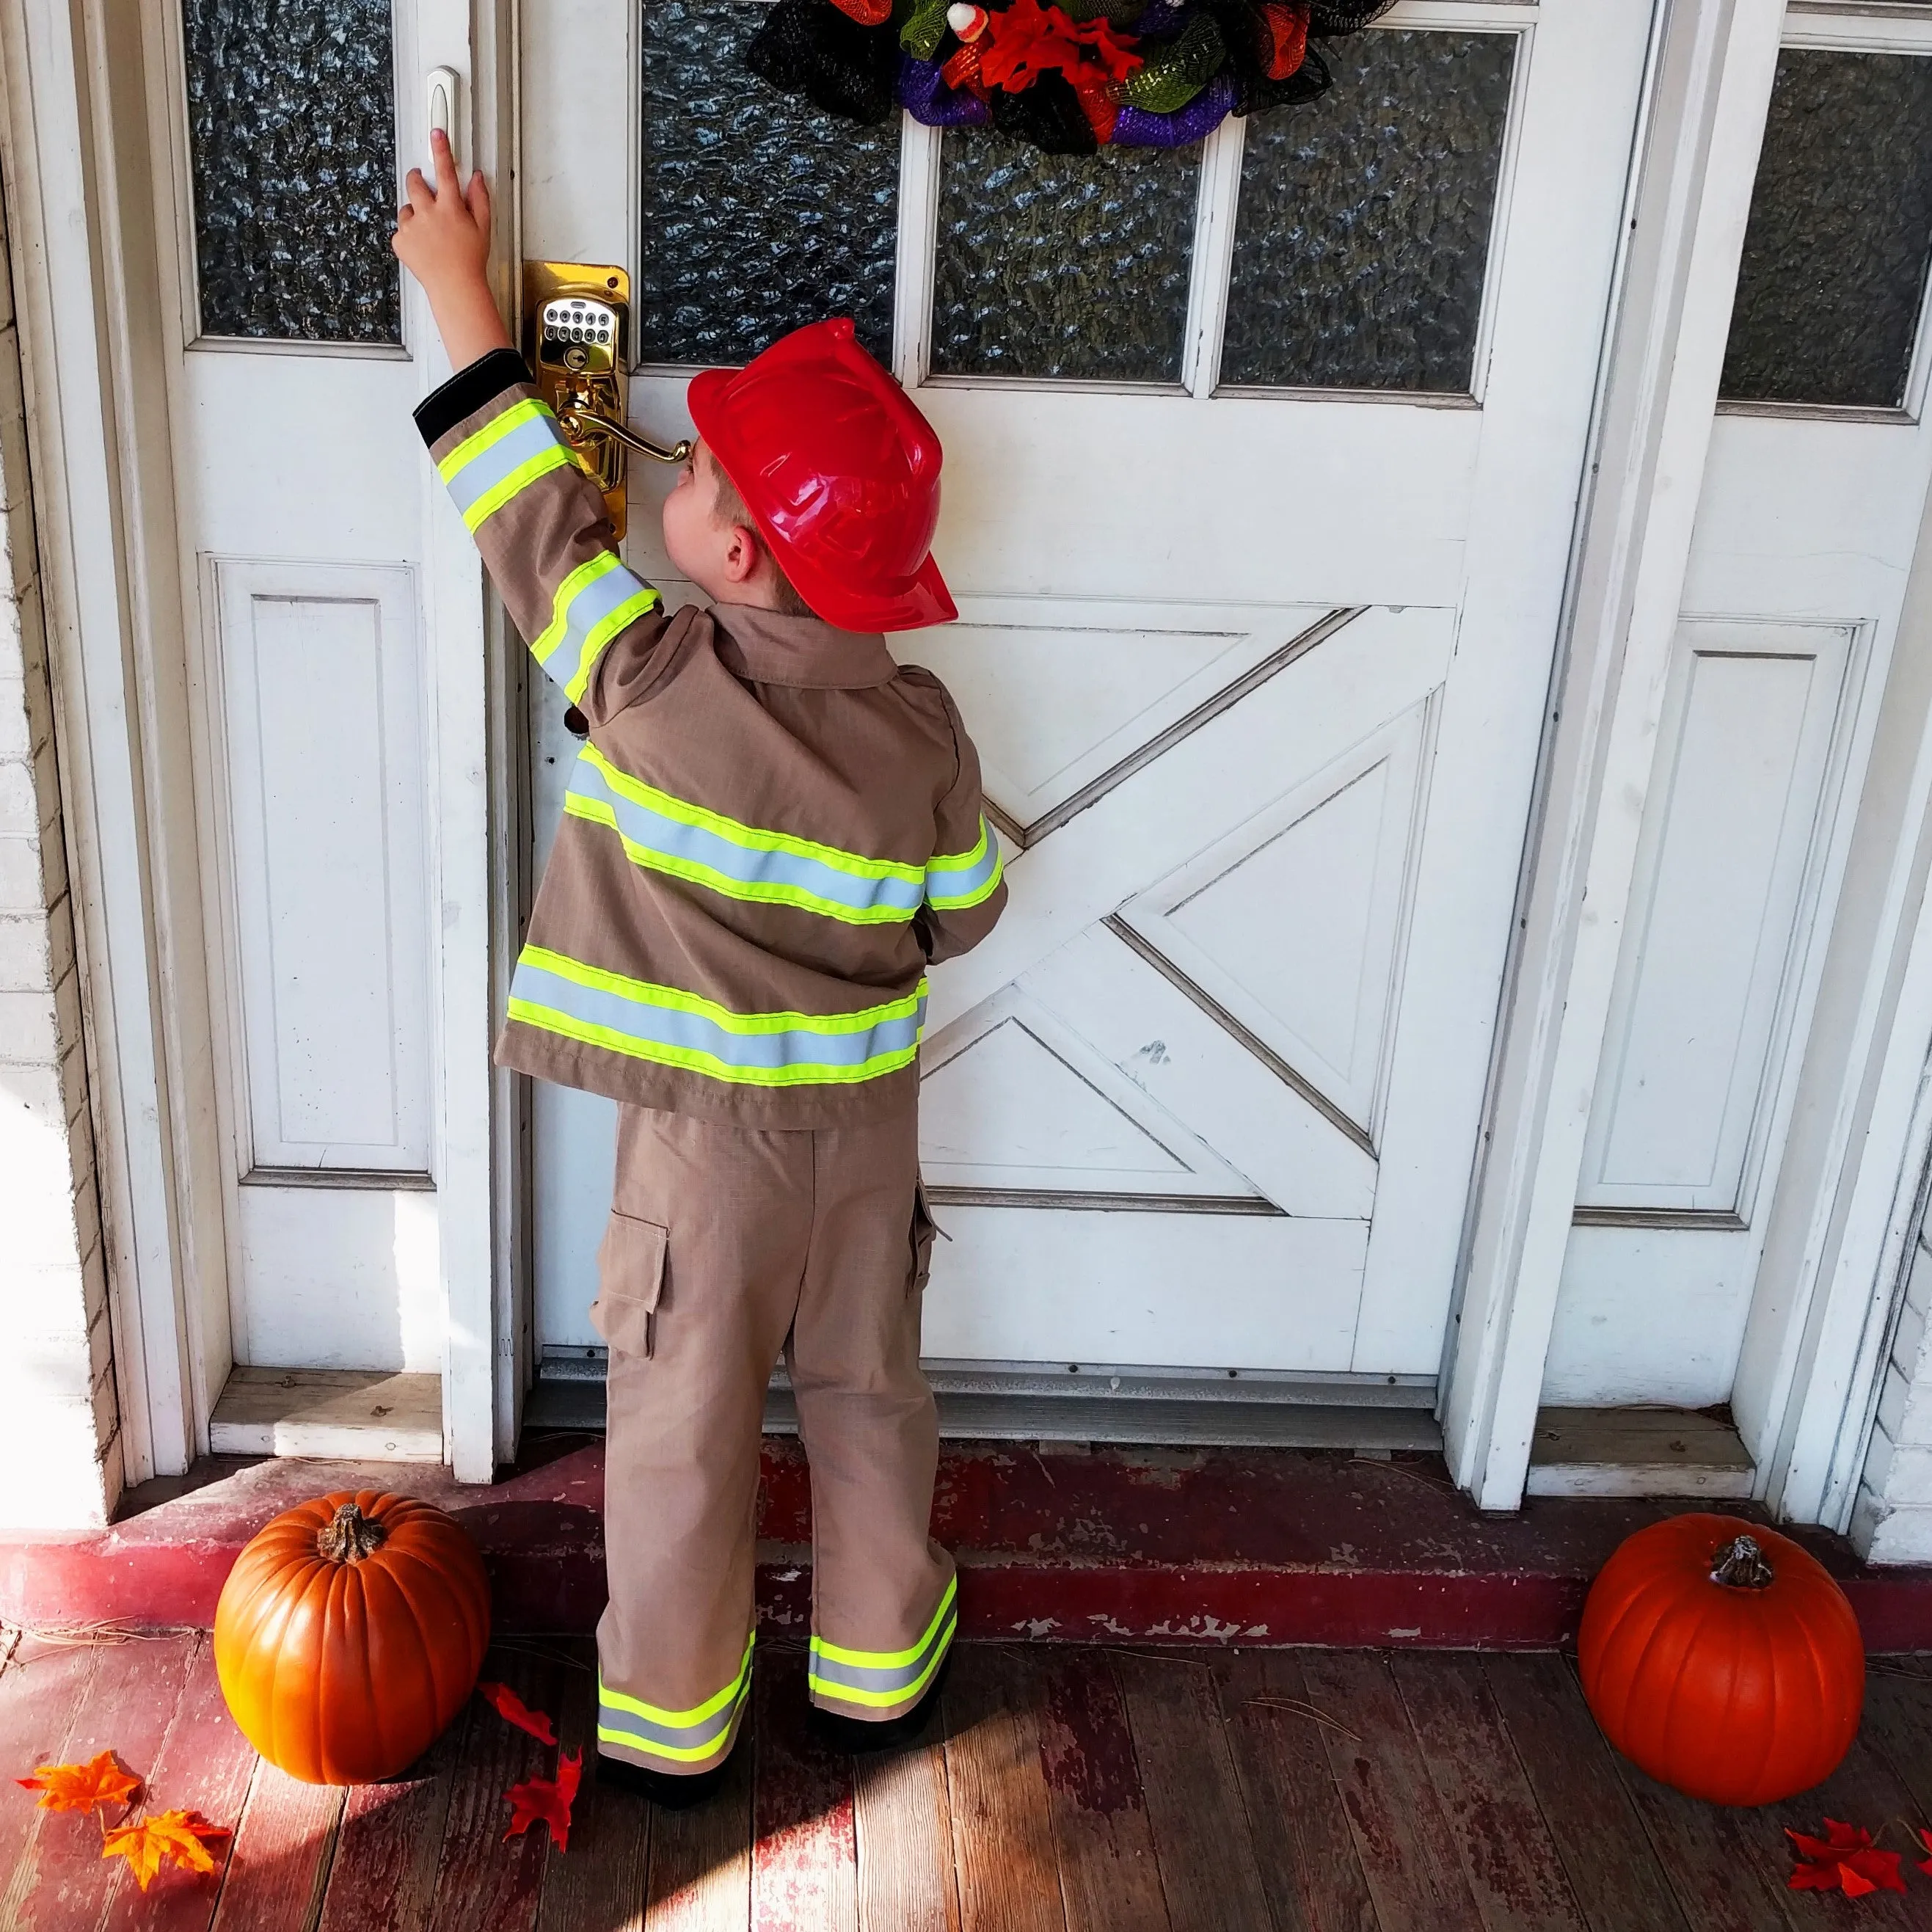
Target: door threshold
(1638, 1452)
(1022, 1404)
(364, 1414)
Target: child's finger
(446, 182)
(422, 197)
(479, 199)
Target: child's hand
(442, 238)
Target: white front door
(1262, 460)
(1812, 496)
(338, 695)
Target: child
(770, 832)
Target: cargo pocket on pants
(924, 1227)
(630, 1278)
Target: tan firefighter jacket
(771, 830)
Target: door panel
(1812, 493)
(1261, 460)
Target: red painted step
(1253, 1546)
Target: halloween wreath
(1068, 78)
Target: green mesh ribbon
(1121, 14)
(1174, 74)
(923, 29)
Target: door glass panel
(1363, 226)
(761, 212)
(1834, 260)
(292, 140)
(1070, 265)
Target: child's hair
(728, 507)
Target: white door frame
(95, 239)
(75, 139)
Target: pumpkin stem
(349, 1535)
(1741, 1565)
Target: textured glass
(292, 134)
(1363, 228)
(1835, 250)
(1062, 265)
(761, 212)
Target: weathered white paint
(1330, 860)
(1712, 83)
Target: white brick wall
(60, 1462)
(1892, 1521)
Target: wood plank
(279, 1862)
(1636, 1452)
(61, 1881)
(1897, 1724)
(1407, 1851)
(340, 1414)
(390, 1844)
(1109, 1878)
(598, 1884)
(902, 1826)
(805, 1865)
(484, 1879)
(1002, 1812)
(1202, 1841)
(701, 1859)
(41, 1690)
(1863, 1790)
(1306, 1852)
(1507, 1854)
(1613, 1872)
(204, 1764)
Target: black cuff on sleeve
(467, 390)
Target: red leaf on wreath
(542, 1799)
(508, 1705)
(1843, 1860)
(1028, 40)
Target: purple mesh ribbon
(1161, 19)
(926, 97)
(1137, 128)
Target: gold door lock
(577, 325)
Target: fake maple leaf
(509, 1706)
(173, 1837)
(1843, 1860)
(1925, 1839)
(540, 1797)
(1027, 39)
(81, 1787)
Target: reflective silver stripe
(955, 881)
(876, 1679)
(684, 1737)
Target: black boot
(668, 1790)
(852, 1736)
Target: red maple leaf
(539, 1798)
(176, 1837)
(507, 1705)
(1925, 1839)
(80, 1787)
(1843, 1860)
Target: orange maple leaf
(507, 1705)
(175, 1837)
(539, 1798)
(81, 1787)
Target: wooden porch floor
(1099, 1790)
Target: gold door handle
(579, 426)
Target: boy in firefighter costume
(772, 829)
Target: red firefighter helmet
(840, 473)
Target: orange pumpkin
(1720, 1658)
(349, 1634)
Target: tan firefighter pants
(726, 1246)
